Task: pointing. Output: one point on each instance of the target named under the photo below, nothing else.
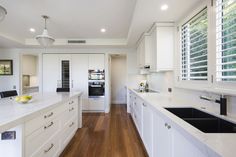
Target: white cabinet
(52, 71)
(162, 137)
(147, 128)
(96, 61)
(143, 51)
(170, 142)
(79, 76)
(96, 104)
(162, 47)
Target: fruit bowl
(23, 99)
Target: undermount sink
(203, 121)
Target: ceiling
(124, 20)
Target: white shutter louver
(226, 40)
(194, 47)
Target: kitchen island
(42, 127)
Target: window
(226, 40)
(194, 47)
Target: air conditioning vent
(76, 41)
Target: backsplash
(164, 80)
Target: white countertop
(216, 144)
(13, 113)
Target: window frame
(211, 85)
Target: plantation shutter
(226, 40)
(194, 47)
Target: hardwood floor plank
(106, 135)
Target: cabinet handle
(71, 109)
(144, 105)
(71, 124)
(47, 150)
(72, 84)
(49, 115)
(45, 127)
(166, 124)
(71, 102)
(168, 127)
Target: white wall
(165, 80)
(9, 82)
(118, 79)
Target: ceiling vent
(76, 41)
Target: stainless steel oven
(96, 89)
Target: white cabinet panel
(162, 137)
(79, 78)
(147, 128)
(143, 51)
(96, 61)
(162, 47)
(96, 104)
(51, 72)
(185, 148)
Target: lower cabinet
(159, 136)
(48, 134)
(147, 128)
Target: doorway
(29, 73)
(118, 79)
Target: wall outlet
(8, 135)
(169, 90)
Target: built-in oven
(96, 89)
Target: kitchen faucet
(222, 101)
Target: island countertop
(13, 113)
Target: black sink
(203, 121)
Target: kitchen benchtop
(215, 144)
(13, 113)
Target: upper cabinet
(162, 47)
(143, 51)
(96, 61)
(155, 49)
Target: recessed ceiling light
(32, 30)
(103, 30)
(164, 7)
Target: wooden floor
(106, 135)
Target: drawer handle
(71, 102)
(144, 105)
(49, 115)
(45, 127)
(168, 126)
(47, 150)
(71, 124)
(71, 109)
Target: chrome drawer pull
(71, 109)
(47, 150)
(71, 124)
(49, 115)
(71, 102)
(144, 105)
(45, 127)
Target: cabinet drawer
(96, 104)
(37, 139)
(73, 101)
(41, 120)
(49, 149)
(69, 113)
(68, 132)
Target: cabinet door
(96, 104)
(165, 48)
(51, 72)
(96, 61)
(162, 138)
(79, 79)
(147, 128)
(184, 148)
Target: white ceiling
(83, 19)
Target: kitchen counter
(215, 144)
(13, 113)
